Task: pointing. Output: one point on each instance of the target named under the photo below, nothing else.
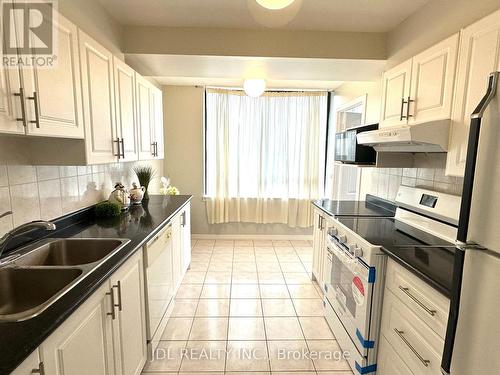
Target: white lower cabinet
(106, 335)
(181, 244)
(319, 247)
(389, 362)
(30, 365)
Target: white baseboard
(251, 237)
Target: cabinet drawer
(419, 347)
(388, 361)
(427, 303)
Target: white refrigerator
(472, 344)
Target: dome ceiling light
(274, 4)
(254, 87)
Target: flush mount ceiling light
(254, 87)
(274, 4)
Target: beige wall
(183, 109)
(437, 20)
(351, 90)
(93, 19)
(240, 42)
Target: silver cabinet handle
(113, 305)
(123, 148)
(401, 335)
(117, 141)
(155, 148)
(408, 107)
(118, 287)
(401, 116)
(20, 94)
(36, 121)
(183, 219)
(417, 301)
(40, 370)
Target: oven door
(350, 293)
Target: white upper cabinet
(395, 92)
(98, 101)
(420, 89)
(157, 101)
(478, 57)
(53, 95)
(126, 123)
(432, 81)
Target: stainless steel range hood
(425, 137)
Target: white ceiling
(328, 15)
(230, 71)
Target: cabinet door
(177, 262)
(432, 82)
(478, 57)
(29, 365)
(53, 95)
(388, 362)
(157, 102)
(186, 237)
(126, 124)
(129, 327)
(98, 100)
(316, 267)
(83, 344)
(145, 118)
(395, 91)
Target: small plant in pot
(144, 173)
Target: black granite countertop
(19, 339)
(371, 207)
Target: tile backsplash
(47, 192)
(384, 182)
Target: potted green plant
(144, 173)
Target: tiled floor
(248, 307)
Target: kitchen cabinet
(129, 327)
(150, 119)
(178, 248)
(421, 89)
(45, 101)
(388, 362)
(83, 344)
(395, 92)
(106, 335)
(319, 247)
(52, 96)
(98, 100)
(30, 365)
(478, 57)
(127, 146)
(185, 235)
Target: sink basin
(24, 292)
(70, 252)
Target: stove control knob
(358, 252)
(333, 231)
(342, 238)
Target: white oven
(354, 291)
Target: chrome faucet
(39, 224)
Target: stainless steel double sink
(38, 275)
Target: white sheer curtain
(265, 156)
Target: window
(270, 148)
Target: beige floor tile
(243, 243)
(278, 307)
(292, 267)
(218, 266)
(303, 291)
(194, 277)
(224, 243)
(190, 291)
(244, 267)
(245, 291)
(300, 243)
(184, 308)
(247, 356)
(271, 278)
(204, 356)
(274, 291)
(213, 307)
(240, 277)
(205, 243)
(218, 277)
(269, 267)
(198, 266)
(316, 328)
(328, 355)
(297, 278)
(282, 243)
(266, 258)
(260, 243)
(177, 329)
(287, 356)
(288, 258)
(216, 291)
(224, 251)
(246, 307)
(246, 329)
(167, 357)
(283, 328)
(309, 307)
(209, 329)
(243, 258)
